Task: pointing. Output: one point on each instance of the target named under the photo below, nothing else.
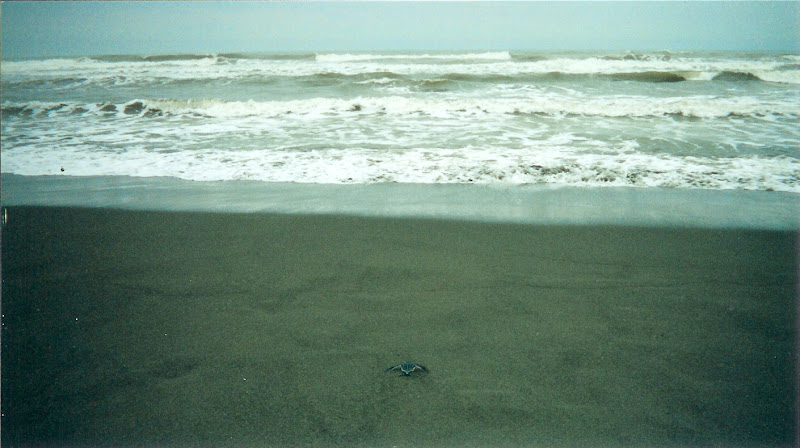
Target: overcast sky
(37, 29)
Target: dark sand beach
(200, 329)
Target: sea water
(653, 120)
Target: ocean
(673, 120)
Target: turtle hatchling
(407, 367)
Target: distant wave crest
(496, 66)
(347, 57)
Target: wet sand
(185, 329)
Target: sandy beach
(207, 329)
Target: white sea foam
(555, 165)
(347, 57)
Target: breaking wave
(547, 105)
(472, 67)
(488, 56)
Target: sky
(47, 29)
